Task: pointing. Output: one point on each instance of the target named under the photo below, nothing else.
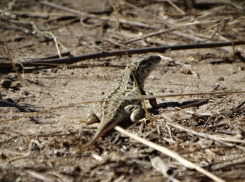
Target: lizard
(110, 113)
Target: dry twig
(170, 153)
(71, 60)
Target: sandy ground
(38, 148)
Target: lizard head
(143, 65)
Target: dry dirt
(39, 147)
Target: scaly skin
(111, 113)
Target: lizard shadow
(185, 104)
(27, 108)
(21, 108)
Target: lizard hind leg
(135, 112)
(94, 115)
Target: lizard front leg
(153, 101)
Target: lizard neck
(127, 83)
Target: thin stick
(187, 94)
(142, 100)
(7, 8)
(144, 12)
(204, 135)
(7, 53)
(128, 98)
(98, 17)
(229, 163)
(153, 34)
(75, 59)
(46, 32)
(169, 153)
(176, 7)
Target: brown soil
(39, 147)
